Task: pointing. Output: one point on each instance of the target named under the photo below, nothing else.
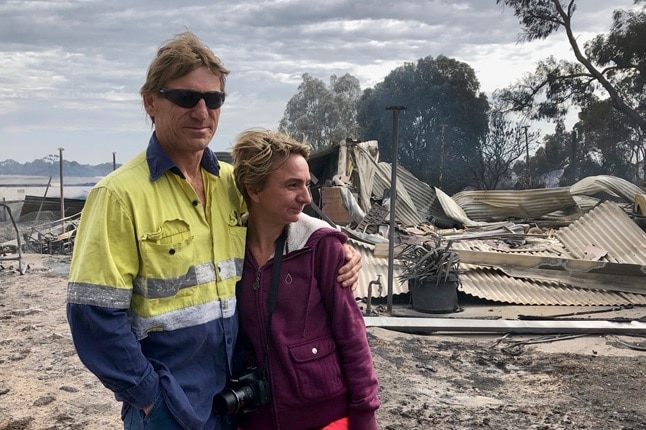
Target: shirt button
(195, 203)
(315, 351)
(171, 251)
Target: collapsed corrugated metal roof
(617, 187)
(514, 284)
(492, 205)
(609, 228)
(605, 233)
(495, 205)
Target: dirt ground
(427, 381)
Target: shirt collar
(158, 161)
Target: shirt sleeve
(350, 336)
(103, 267)
(107, 347)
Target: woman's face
(285, 193)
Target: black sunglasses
(189, 98)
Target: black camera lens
(230, 401)
(244, 394)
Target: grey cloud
(70, 71)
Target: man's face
(182, 131)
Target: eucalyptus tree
(610, 141)
(610, 66)
(551, 157)
(320, 114)
(440, 131)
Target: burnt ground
(427, 381)
(463, 383)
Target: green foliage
(609, 141)
(428, 261)
(323, 115)
(614, 63)
(623, 50)
(553, 155)
(440, 131)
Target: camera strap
(273, 287)
(275, 274)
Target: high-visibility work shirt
(151, 293)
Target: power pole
(393, 198)
(114, 161)
(443, 126)
(529, 172)
(60, 168)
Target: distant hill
(49, 166)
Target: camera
(243, 394)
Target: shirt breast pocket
(168, 252)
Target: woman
(315, 352)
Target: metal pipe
(393, 199)
(369, 303)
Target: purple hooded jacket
(320, 365)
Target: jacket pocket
(317, 368)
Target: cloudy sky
(70, 70)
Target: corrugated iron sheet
(618, 187)
(491, 205)
(406, 211)
(491, 284)
(371, 268)
(608, 227)
(365, 156)
(496, 205)
(532, 245)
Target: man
(151, 294)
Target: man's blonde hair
(179, 56)
(257, 153)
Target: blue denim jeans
(159, 417)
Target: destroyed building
(582, 245)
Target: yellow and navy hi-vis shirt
(152, 284)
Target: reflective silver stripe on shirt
(83, 293)
(155, 288)
(230, 268)
(182, 318)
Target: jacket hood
(300, 232)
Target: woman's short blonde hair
(178, 56)
(257, 153)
